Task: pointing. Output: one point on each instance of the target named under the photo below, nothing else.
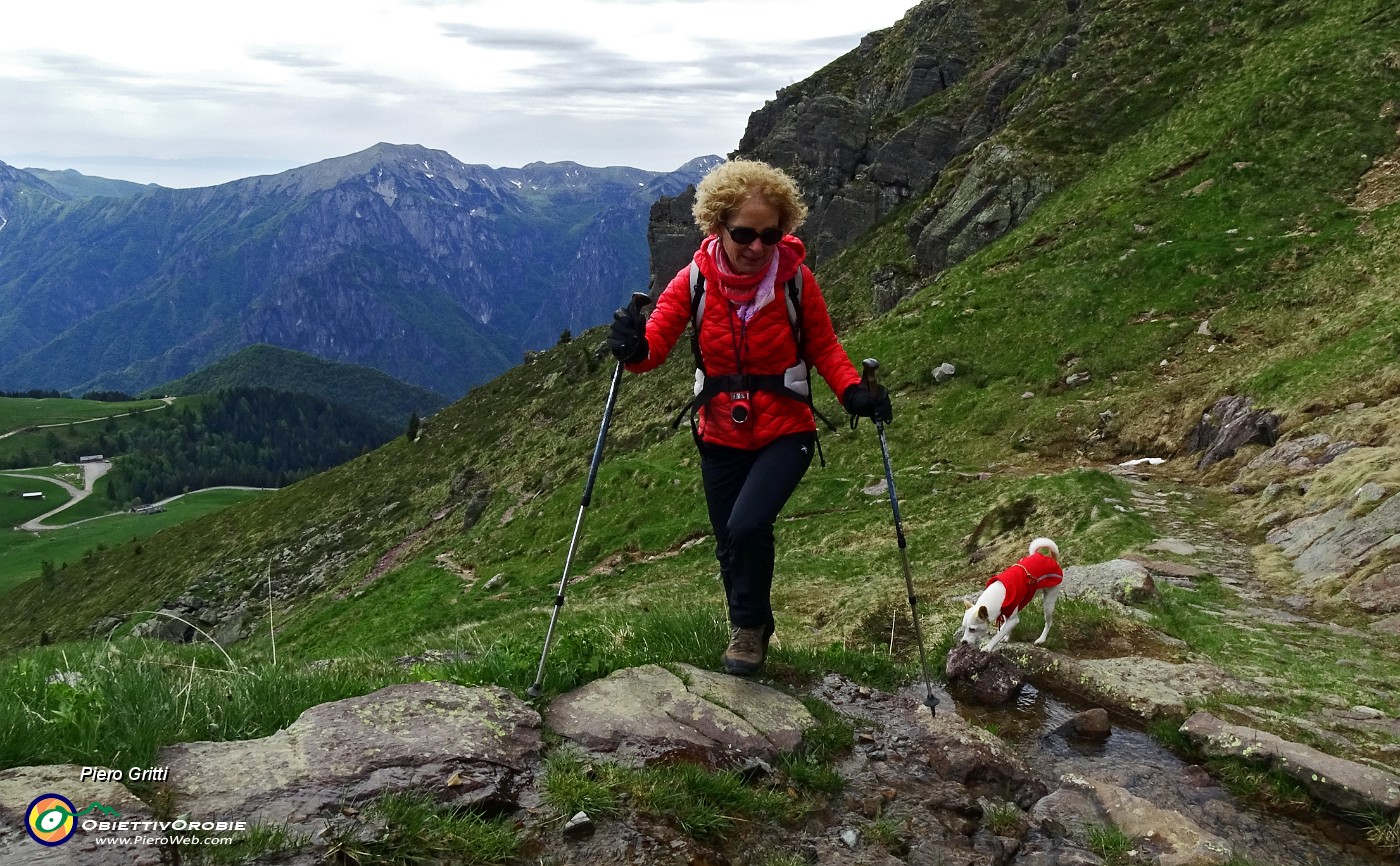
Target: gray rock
(580, 826)
(1293, 451)
(1341, 784)
(991, 678)
(465, 745)
(1334, 544)
(944, 372)
(1077, 380)
(1173, 545)
(1230, 425)
(1175, 838)
(994, 195)
(1120, 580)
(21, 785)
(1137, 686)
(647, 714)
(1379, 593)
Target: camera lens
(739, 412)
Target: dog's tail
(1039, 543)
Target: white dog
(1009, 592)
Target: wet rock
(647, 714)
(1342, 784)
(991, 678)
(21, 785)
(1137, 686)
(1090, 725)
(1173, 838)
(469, 746)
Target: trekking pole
(642, 300)
(867, 378)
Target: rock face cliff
(398, 257)
(882, 133)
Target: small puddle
(1132, 760)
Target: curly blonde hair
(732, 183)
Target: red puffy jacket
(766, 344)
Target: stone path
(1335, 673)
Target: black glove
(627, 339)
(874, 405)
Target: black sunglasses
(743, 235)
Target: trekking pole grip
(867, 374)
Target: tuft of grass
(261, 843)
(1251, 782)
(704, 804)
(1383, 832)
(1003, 819)
(1111, 843)
(411, 829)
(884, 833)
(809, 766)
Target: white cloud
(188, 94)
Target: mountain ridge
(397, 257)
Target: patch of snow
(1150, 461)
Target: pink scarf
(748, 292)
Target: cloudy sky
(187, 93)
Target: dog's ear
(982, 612)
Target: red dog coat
(1030, 573)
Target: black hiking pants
(745, 490)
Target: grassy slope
(1300, 296)
(17, 413)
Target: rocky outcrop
(1344, 785)
(1229, 425)
(880, 127)
(1334, 544)
(994, 195)
(468, 746)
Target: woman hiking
(752, 416)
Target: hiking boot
(747, 649)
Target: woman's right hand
(627, 338)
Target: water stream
(1132, 760)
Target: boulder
(648, 714)
(991, 678)
(1121, 580)
(464, 745)
(1341, 784)
(1228, 426)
